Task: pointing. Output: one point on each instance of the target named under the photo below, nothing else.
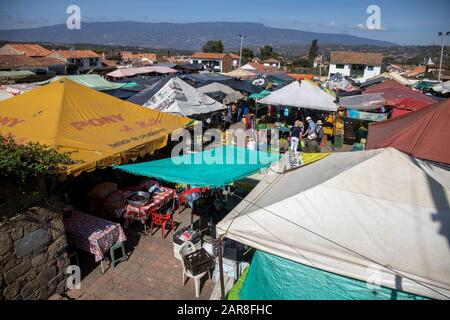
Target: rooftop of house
(416, 71)
(76, 54)
(271, 60)
(15, 61)
(30, 49)
(137, 55)
(352, 57)
(214, 56)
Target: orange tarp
(98, 130)
(298, 76)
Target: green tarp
(93, 81)
(260, 95)
(214, 168)
(274, 278)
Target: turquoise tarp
(215, 167)
(274, 278)
(260, 95)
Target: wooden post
(222, 281)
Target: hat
(319, 122)
(298, 123)
(308, 118)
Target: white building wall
(333, 70)
(370, 74)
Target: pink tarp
(424, 134)
(130, 72)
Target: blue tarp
(274, 278)
(214, 168)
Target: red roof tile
(351, 57)
(76, 54)
(30, 50)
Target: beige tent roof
(354, 214)
(240, 73)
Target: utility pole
(240, 51)
(442, 35)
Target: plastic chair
(185, 249)
(183, 197)
(161, 220)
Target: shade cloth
(93, 81)
(352, 212)
(215, 167)
(302, 94)
(99, 129)
(173, 95)
(423, 134)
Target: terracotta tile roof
(49, 61)
(416, 71)
(208, 55)
(352, 57)
(15, 61)
(76, 54)
(11, 61)
(234, 56)
(30, 50)
(128, 55)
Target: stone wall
(33, 257)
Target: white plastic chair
(185, 249)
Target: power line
(339, 245)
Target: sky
(402, 21)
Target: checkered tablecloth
(92, 234)
(158, 200)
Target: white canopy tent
(304, 94)
(178, 97)
(231, 94)
(353, 213)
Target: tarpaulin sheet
(93, 81)
(175, 96)
(215, 167)
(273, 278)
(423, 134)
(399, 96)
(99, 129)
(354, 211)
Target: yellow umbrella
(98, 130)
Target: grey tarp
(362, 102)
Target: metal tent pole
(222, 281)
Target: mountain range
(187, 36)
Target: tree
(213, 46)
(267, 52)
(247, 55)
(22, 164)
(313, 51)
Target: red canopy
(400, 97)
(424, 134)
